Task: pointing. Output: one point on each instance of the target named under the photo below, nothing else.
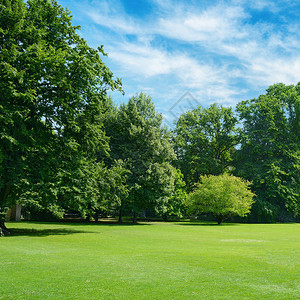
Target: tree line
(65, 146)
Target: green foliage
(138, 139)
(53, 93)
(204, 142)
(269, 155)
(263, 212)
(174, 205)
(222, 196)
(111, 187)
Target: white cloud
(115, 23)
(149, 61)
(209, 82)
(269, 5)
(274, 70)
(215, 24)
(235, 48)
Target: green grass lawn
(150, 261)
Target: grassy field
(150, 261)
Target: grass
(150, 261)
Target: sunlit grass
(150, 261)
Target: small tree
(222, 195)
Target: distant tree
(52, 96)
(139, 140)
(174, 205)
(269, 154)
(222, 196)
(111, 188)
(204, 142)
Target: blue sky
(194, 51)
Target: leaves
(270, 146)
(138, 139)
(222, 195)
(53, 95)
(204, 141)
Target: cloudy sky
(187, 52)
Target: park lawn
(150, 261)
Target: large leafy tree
(222, 196)
(270, 150)
(204, 141)
(139, 140)
(52, 95)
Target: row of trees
(65, 146)
(260, 142)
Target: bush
(223, 196)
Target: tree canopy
(204, 141)
(223, 196)
(138, 138)
(270, 149)
(53, 91)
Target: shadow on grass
(33, 232)
(206, 224)
(76, 223)
(42, 232)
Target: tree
(111, 188)
(204, 142)
(174, 205)
(138, 139)
(53, 92)
(269, 155)
(222, 196)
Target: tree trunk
(134, 220)
(219, 219)
(96, 215)
(3, 227)
(3, 196)
(120, 220)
